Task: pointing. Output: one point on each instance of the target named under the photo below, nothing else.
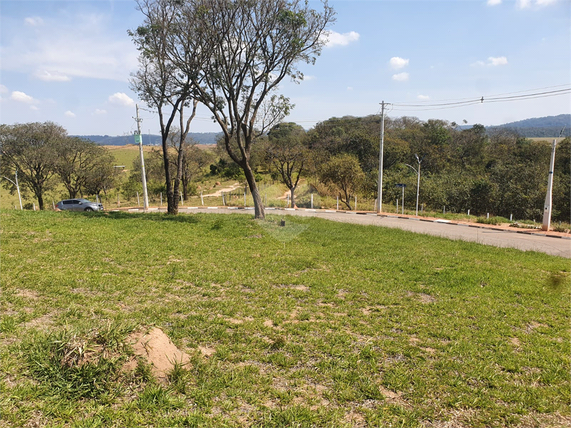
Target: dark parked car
(78, 205)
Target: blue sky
(70, 61)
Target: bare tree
(161, 85)
(235, 54)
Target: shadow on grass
(157, 217)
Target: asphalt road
(483, 235)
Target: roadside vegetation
(312, 324)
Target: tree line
(461, 169)
(43, 156)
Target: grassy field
(312, 324)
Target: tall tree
(161, 85)
(344, 176)
(30, 148)
(287, 153)
(236, 53)
(81, 165)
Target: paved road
(483, 235)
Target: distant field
(126, 155)
(313, 324)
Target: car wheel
(89, 209)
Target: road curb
(327, 211)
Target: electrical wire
(524, 95)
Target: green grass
(313, 324)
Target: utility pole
(381, 150)
(419, 160)
(139, 139)
(548, 197)
(17, 187)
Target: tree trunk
(40, 201)
(292, 190)
(259, 212)
(172, 205)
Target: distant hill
(148, 139)
(537, 127)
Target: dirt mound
(155, 348)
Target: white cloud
(528, 4)
(349, 88)
(523, 4)
(423, 97)
(494, 2)
(306, 78)
(121, 99)
(47, 76)
(397, 63)
(99, 111)
(34, 108)
(33, 21)
(338, 39)
(3, 89)
(492, 62)
(96, 50)
(495, 61)
(21, 97)
(401, 77)
(545, 2)
(69, 114)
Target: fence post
(487, 216)
(511, 217)
(312, 201)
(223, 200)
(161, 199)
(201, 198)
(138, 202)
(468, 212)
(337, 202)
(444, 210)
(34, 206)
(355, 202)
(397, 205)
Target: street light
(419, 160)
(17, 188)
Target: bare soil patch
(157, 350)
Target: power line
(490, 99)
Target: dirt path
(219, 192)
